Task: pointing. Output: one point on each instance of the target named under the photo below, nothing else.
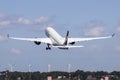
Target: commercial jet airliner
(55, 40)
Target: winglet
(8, 35)
(113, 34)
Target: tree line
(79, 74)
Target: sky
(83, 18)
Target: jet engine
(72, 43)
(37, 42)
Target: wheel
(46, 48)
(49, 48)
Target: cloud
(118, 29)
(117, 48)
(4, 23)
(2, 38)
(2, 15)
(94, 28)
(22, 20)
(42, 19)
(95, 47)
(95, 31)
(6, 20)
(13, 21)
(15, 51)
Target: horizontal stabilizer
(68, 46)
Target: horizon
(82, 19)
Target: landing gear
(48, 48)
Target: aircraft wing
(73, 40)
(42, 40)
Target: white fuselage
(56, 39)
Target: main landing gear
(48, 47)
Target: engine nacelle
(72, 43)
(37, 42)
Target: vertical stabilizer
(66, 38)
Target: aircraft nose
(48, 29)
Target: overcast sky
(83, 18)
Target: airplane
(56, 40)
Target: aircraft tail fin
(66, 38)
